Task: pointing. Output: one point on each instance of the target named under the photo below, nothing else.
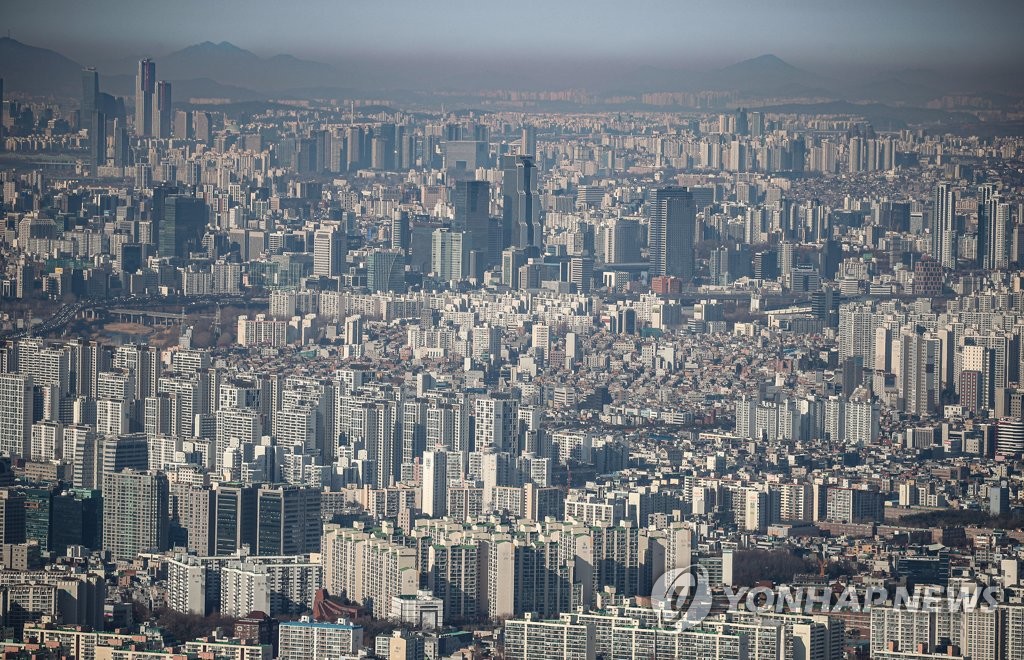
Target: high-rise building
(401, 231)
(277, 586)
(521, 222)
(235, 518)
(145, 85)
(449, 254)
(943, 226)
(12, 516)
(620, 242)
(182, 128)
(495, 422)
(368, 570)
(920, 382)
(16, 413)
(287, 520)
(673, 225)
(329, 249)
(135, 506)
(162, 114)
(92, 118)
(76, 519)
(993, 251)
(472, 199)
(182, 226)
(435, 483)
(581, 273)
(385, 270)
(512, 259)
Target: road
(69, 312)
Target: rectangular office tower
(521, 224)
(182, 226)
(162, 123)
(92, 118)
(145, 85)
(472, 199)
(672, 231)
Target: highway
(67, 313)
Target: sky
(820, 34)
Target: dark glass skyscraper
(181, 226)
(521, 225)
(235, 519)
(162, 116)
(145, 84)
(92, 119)
(671, 235)
(471, 212)
(76, 519)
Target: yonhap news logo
(682, 596)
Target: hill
(38, 71)
(230, 65)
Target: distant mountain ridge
(230, 65)
(224, 70)
(38, 71)
(765, 74)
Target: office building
(385, 271)
(182, 226)
(521, 219)
(287, 520)
(671, 233)
(162, 117)
(329, 249)
(145, 85)
(93, 119)
(472, 216)
(450, 256)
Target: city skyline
(566, 41)
(529, 331)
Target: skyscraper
(401, 233)
(288, 520)
(521, 226)
(162, 114)
(92, 119)
(145, 85)
(182, 226)
(671, 235)
(385, 271)
(471, 213)
(328, 251)
(235, 519)
(993, 229)
(449, 255)
(943, 226)
(528, 141)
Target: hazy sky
(678, 33)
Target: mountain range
(223, 70)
